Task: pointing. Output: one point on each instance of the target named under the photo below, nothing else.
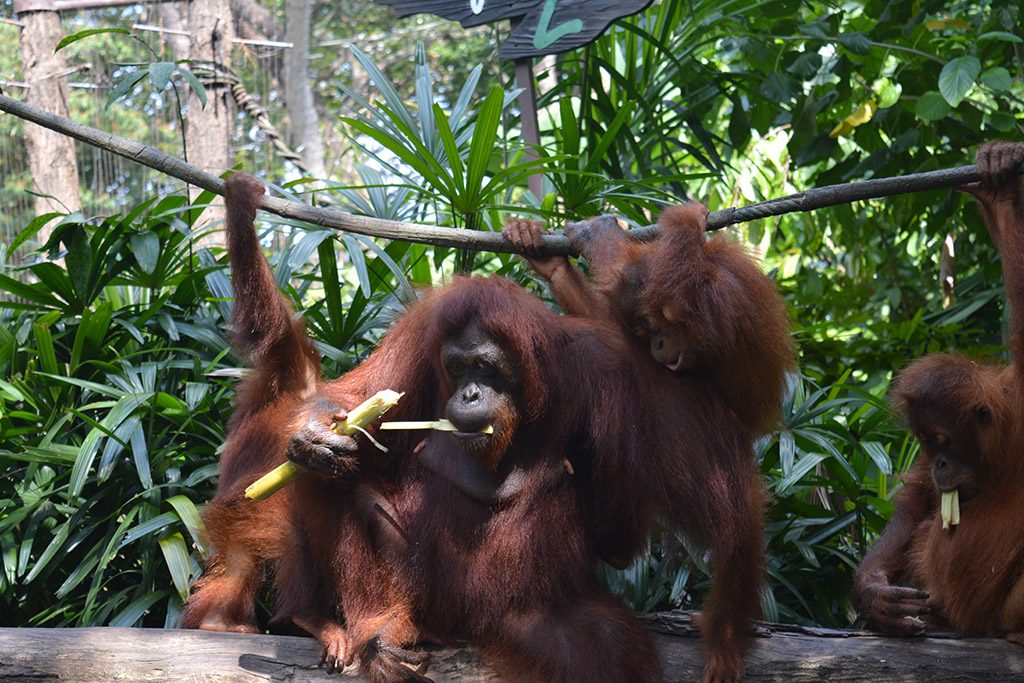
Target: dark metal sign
(544, 26)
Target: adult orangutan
(469, 535)
(491, 538)
(969, 420)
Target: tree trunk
(255, 22)
(303, 133)
(208, 129)
(51, 155)
(172, 16)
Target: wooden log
(780, 653)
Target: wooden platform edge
(780, 653)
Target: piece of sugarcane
(360, 416)
(950, 508)
(441, 425)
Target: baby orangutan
(964, 567)
(701, 307)
(710, 328)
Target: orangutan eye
(984, 415)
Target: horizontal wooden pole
(72, 5)
(553, 244)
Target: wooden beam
(73, 5)
(780, 653)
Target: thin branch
(329, 217)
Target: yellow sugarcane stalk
(360, 416)
(441, 425)
(950, 508)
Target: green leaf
(458, 115)
(787, 451)
(170, 405)
(300, 254)
(779, 88)
(399, 149)
(149, 526)
(1000, 35)
(451, 148)
(9, 554)
(146, 247)
(197, 87)
(195, 392)
(160, 74)
(79, 260)
(888, 93)
(33, 228)
(120, 412)
(484, 139)
(204, 335)
(137, 609)
(802, 467)
(92, 331)
(140, 456)
(608, 138)
(61, 455)
(957, 78)
(569, 128)
(82, 571)
(56, 543)
(75, 37)
(101, 389)
(123, 83)
(358, 263)
(806, 65)
(57, 280)
(109, 552)
(393, 100)
(189, 515)
(176, 555)
(396, 270)
(35, 294)
(1002, 121)
(855, 42)
(425, 98)
(815, 29)
(44, 348)
(332, 281)
(201, 474)
(997, 78)
(876, 452)
(10, 391)
(834, 527)
(932, 106)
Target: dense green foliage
(116, 374)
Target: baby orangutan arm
(571, 290)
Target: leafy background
(117, 378)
